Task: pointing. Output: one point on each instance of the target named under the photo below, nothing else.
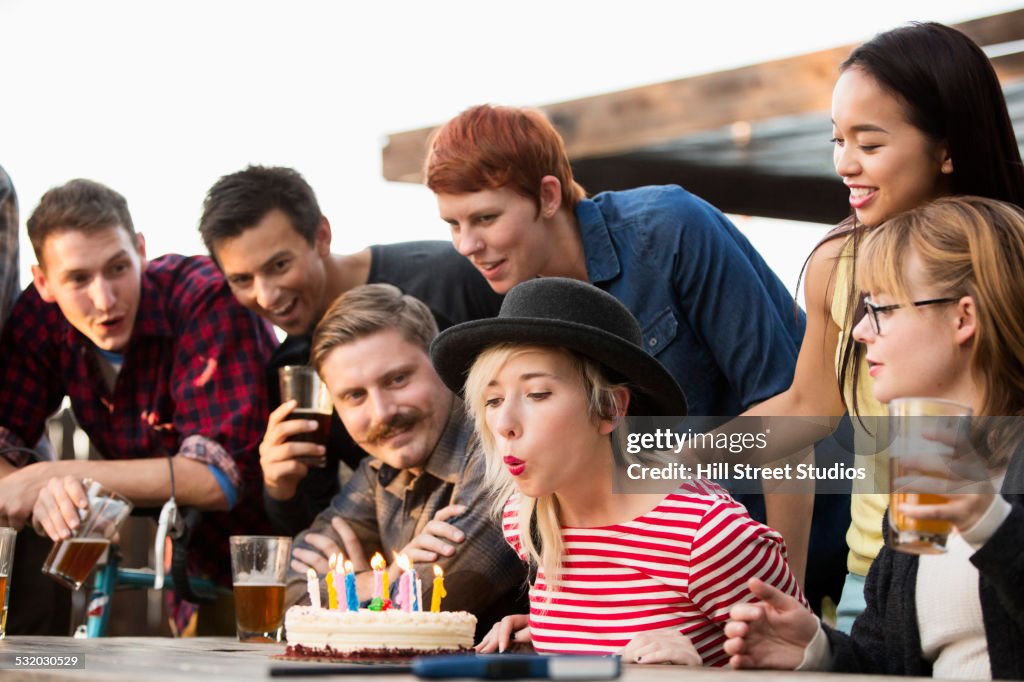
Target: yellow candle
(438, 592)
(332, 593)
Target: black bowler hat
(555, 311)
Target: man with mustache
(419, 493)
(264, 228)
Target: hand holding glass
(302, 384)
(71, 561)
(928, 433)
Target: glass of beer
(7, 538)
(927, 434)
(259, 565)
(71, 561)
(302, 384)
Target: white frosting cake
(327, 633)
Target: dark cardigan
(885, 639)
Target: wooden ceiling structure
(752, 140)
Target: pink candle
(405, 585)
(377, 564)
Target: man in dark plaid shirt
(162, 367)
(420, 493)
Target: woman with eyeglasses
(918, 113)
(943, 320)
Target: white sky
(158, 100)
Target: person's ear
(946, 161)
(322, 240)
(140, 246)
(621, 396)
(550, 196)
(39, 282)
(966, 320)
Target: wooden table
(222, 659)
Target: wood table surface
(222, 659)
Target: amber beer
(3, 612)
(71, 561)
(259, 610)
(928, 434)
(916, 536)
(7, 537)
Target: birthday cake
(330, 634)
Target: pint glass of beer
(71, 561)
(927, 433)
(7, 537)
(259, 565)
(302, 384)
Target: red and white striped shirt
(682, 566)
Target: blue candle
(413, 579)
(352, 599)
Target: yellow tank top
(867, 507)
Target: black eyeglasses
(873, 310)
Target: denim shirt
(711, 310)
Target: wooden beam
(630, 120)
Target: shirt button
(653, 342)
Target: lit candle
(405, 585)
(350, 587)
(418, 599)
(438, 592)
(332, 594)
(379, 601)
(377, 564)
(313, 587)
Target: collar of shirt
(602, 261)
(446, 461)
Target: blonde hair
(540, 528)
(967, 246)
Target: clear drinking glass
(302, 384)
(259, 565)
(71, 561)
(7, 538)
(927, 434)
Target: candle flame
(377, 562)
(437, 571)
(403, 561)
(349, 568)
(333, 561)
(311, 574)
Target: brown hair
(370, 308)
(79, 204)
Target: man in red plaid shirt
(162, 366)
